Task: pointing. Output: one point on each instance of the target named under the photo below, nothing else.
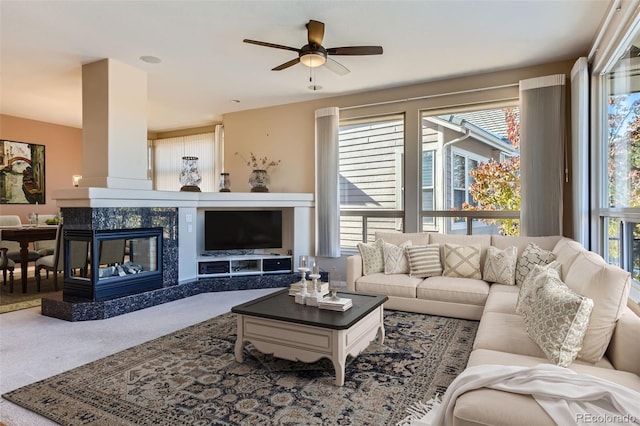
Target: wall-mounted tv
(242, 229)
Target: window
(428, 180)
(462, 164)
(167, 160)
(371, 175)
(620, 162)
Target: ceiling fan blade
(286, 65)
(337, 67)
(315, 32)
(355, 50)
(275, 46)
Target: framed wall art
(22, 177)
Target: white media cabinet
(250, 264)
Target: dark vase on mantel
(259, 179)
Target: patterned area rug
(190, 377)
(18, 300)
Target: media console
(251, 264)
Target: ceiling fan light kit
(313, 54)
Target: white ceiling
(205, 65)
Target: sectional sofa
(609, 350)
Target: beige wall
(286, 132)
(63, 157)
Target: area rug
(18, 300)
(190, 377)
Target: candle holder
(303, 268)
(315, 295)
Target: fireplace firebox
(106, 264)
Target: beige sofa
(502, 337)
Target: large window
(371, 164)
(620, 159)
(167, 160)
(428, 184)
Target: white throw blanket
(568, 397)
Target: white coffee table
(276, 325)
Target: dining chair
(7, 265)
(44, 247)
(13, 247)
(79, 251)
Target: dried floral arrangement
(257, 163)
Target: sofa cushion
(504, 241)
(608, 287)
(505, 333)
(398, 285)
(372, 257)
(501, 300)
(397, 238)
(566, 252)
(532, 255)
(395, 260)
(424, 261)
(442, 239)
(462, 261)
(500, 265)
(455, 290)
(558, 320)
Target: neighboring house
(372, 175)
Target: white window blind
(167, 160)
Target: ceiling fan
(313, 54)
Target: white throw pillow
(558, 320)
(462, 261)
(531, 256)
(500, 265)
(424, 261)
(372, 257)
(395, 259)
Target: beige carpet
(190, 377)
(18, 300)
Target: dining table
(26, 235)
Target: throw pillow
(532, 255)
(424, 261)
(395, 260)
(372, 257)
(535, 279)
(558, 321)
(500, 266)
(462, 261)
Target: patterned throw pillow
(558, 321)
(372, 257)
(500, 266)
(462, 261)
(535, 279)
(424, 261)
(395, 260)
(532, 255)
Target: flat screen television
(242, 229)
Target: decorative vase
(225, 182)
(259, 179)
(189, 175)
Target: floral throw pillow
(395, 259)
(372, 257)
(500, 265)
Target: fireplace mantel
(109, 197)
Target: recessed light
(235, 101)
(150, 59)
(314, 87)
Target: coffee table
(276, 325)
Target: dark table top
(280, 306)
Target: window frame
(456, 151)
